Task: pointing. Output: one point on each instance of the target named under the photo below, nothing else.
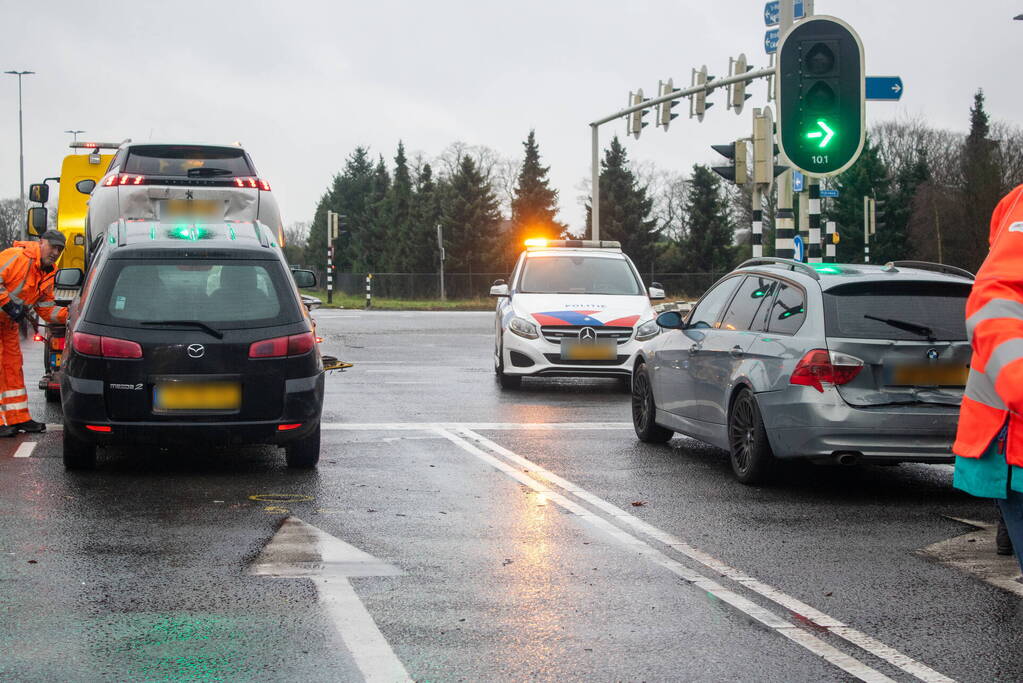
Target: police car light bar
(95, 145)
(538, 243)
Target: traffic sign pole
(784, 223)
(758, 221)
(829, 248)
(814, 220)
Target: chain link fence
(426, 286)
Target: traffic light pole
(814, 220)
(648, 104)
(829, 246)
(758, 221)
(785, 228)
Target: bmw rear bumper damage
(803, 423)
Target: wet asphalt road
(141, 569)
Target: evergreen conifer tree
(399, 215)
(982, 189)
(470, 218)
(868, 177)
(347, 195)
(710, 233)
(534, 206)
(625, 209)
(425, 218)
(374, 245)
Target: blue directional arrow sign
(771, 41)
(799, 247)
(829, 193)
(797, 181)
(772, 12)
(884, 88)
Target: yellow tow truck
(79, 174)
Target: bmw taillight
(279, 347)
(252, 182)
(107, 347)
(820, 367)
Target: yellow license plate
(930, 376)
(169, 396)
(198, 208)
(577, 351)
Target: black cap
(54, 237)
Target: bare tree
(11, 220)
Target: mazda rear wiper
(915, 328)
(207, 170)
(191, 323)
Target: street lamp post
(21, 140)
(75, 134)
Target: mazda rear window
(938, 306)
(188, 161)
(228, 294)
(579, 275)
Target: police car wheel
(506, 381)
(78, 454)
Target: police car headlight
(523, 328)
(647, 330)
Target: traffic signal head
(736, 152)
(698, 103)
(664, 113)
(737, 94)
(820, 96)
(635, 119)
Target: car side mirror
(499, 289)
(37, 218)
(86, 186)
(304, 279)
(311, 302)
(671, 320)
(69, 278)
(655, 291)
(39, 192)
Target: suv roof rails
(936, 267)
(789, 263)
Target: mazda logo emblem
(587, 334)
(196, 350)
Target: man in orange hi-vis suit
(26, 281)
(989, 443)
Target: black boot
(1003, 544)
(30, 426)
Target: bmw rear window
(224, 294)
(188, 161)
(940, 306)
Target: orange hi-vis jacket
(994, 323)
(23, 281)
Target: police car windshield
(579, 275)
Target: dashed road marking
(782, 626)
(25, 449)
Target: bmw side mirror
(670, 320)
(499, 289)
(86, 186)
(68, 278)
(304, 279)
(39, 192)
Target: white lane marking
(25, 449)
(410, 382)
(301, 550)
(482, 426)
(769, 619)
(861, 640)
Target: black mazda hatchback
(186, 334)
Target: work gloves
(15, 310)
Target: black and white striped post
(814, 213)
(330, 273)
(758, 221)
(785, 229)
(829, 245)
(369, 288)
(866, 229)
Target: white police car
(572, 308)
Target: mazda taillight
(107, 347)
(254, 183)
(820, 367)
(279, 347)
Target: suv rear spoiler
(927, 265)
(788, 263)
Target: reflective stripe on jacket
(994, 323)
(23, 281)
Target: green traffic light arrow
(825, 134)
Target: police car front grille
(555, 333)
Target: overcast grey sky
(302, 83)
